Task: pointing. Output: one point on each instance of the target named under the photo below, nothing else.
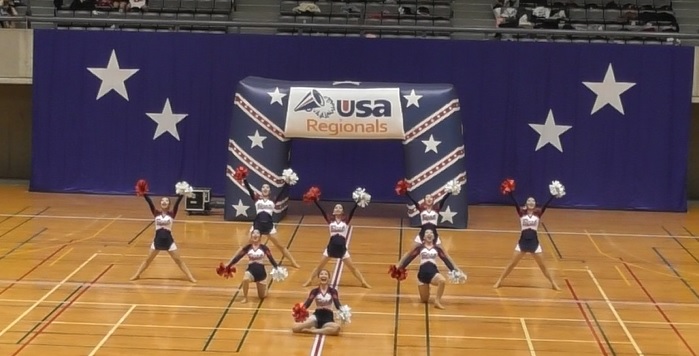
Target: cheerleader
(429, 211)
(322, 321)
(428, 274)
(255, 273)
(264, 209)
(164, 219)
(339, 228)
(529, 219)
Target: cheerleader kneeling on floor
(322, 322)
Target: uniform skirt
(264, 223)
(323, 316)
(337, 247)
(528, 242)
(163, 240)
(426, 272)
(257, 271)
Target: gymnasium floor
(629, 280)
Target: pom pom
(557, 189)
(183, 188)
(507, 186)
(311, 195)
(457, 277)
(240, 173)
(402, 187)
(141, 187)
(361, 197)
(290, 177)
(345, 314)
(299, 312)
(453, 187)
(398, 273)
(225, 272)
(279, 274)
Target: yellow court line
(622, 275)
(633, 264)
(60, 257)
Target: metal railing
(237, 26)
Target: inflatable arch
(425, 117)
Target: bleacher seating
(596, 15)
(425, 13)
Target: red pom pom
(311, 195)
(402, 187)
(240, 173)
(225, 272)
(299, 312)
(507, 186)
(398, 273)
(141, 187)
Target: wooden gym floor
(629, 282)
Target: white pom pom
(290, 176)
(457, 277)
(345, 314)
(453, 187)
(361, 197)
(279, 274)
(557, 189)
(183, 188)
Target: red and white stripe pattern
(278, 207)
(255, 166)
(260, 118)
(436, 195)
(438, 167)
(431, 121)
(319, 340)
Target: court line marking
(45, 296)
(245, 223)
(616, 315)
(227, 291)
(61, 256)
(530, 344)
(112, 330)
(355, 262)
(622, 276)
(286, 311)
(31, 270)
(587, 320)
(288, 331)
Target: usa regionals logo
(344, 113)
(324, 106)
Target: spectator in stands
(7, 8)
(505, 12)
(138, 5)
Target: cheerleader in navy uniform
(255, 273)
(264, 208)
(529, 218)
(428, 274)
(322, 321)
(339, 228)
(164, 218)
(429, 210)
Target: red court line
(33, 269)
(589, 324)
(66, 306)
(659, 309)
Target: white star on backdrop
(167, 121)
(608, 91)
(431, 144)
(257, 139)
(412, 99)
(240, 208)
(549, 132)
(448, 215)
(112, 77)
(276, 96)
